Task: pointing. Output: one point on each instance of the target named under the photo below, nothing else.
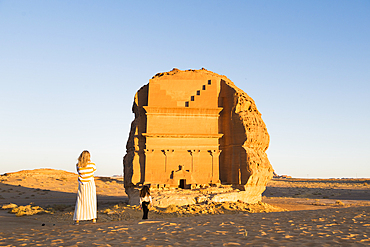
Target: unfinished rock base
(180, 197)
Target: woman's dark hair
(144, 191)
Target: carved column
(215, 153)
(193, 153)
(166, 153)
(145, 171)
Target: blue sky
(69, 71)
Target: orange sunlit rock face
(193, 128)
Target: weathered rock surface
(200, 196)
(194, 128)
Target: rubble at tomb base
(195, 129)
(164, 197)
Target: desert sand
(308, 212)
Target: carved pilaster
(166, 153)
(193, 152)
(146, 176)
(215, 153)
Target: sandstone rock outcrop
(194, 128)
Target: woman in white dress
(86, 205)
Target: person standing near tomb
(145, 201)
(86, 204)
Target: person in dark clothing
(145, 201)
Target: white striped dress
(86, 205)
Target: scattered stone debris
(340, 203)
(123, 211)
(24, 210)
(9, 206)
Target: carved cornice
(182, 111)
(182, 135)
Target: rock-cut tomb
(194, 128)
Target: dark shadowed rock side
(195, 129)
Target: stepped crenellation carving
(197, 95)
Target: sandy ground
(313, 213)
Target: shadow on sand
(43, 197)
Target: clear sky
(69, 71)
